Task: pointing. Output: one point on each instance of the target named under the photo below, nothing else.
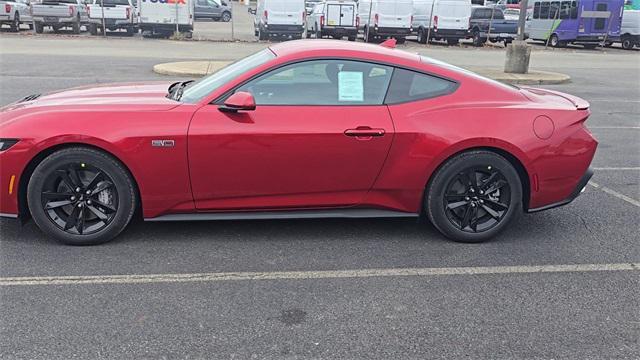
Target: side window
(565, 10)
(599, 23)
(536, 10)
(544, 10)
(322, 82)
(574, 10)
(407, 85)
(554, 10)
(202, 2)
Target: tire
(39, 28)
(477, 212)
(56, 28)
(422, 37)
(352, 38)
(93, 29)
(307, 34)
(131, 31)
(627, 44)
(15, 24)
(262, 35)
(477, 40)
(337, 37)
(452, 42)
(316, 35)
(401, 40)
(555, 41)
(226, 16)
(76, 26)
(70, 215)
(368, 35)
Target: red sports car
(302, 129)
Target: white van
(161, 16)
(279, 18)
(335, 18)
(630, 29)
(449, 21)
(386, 18)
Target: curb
(533, 77)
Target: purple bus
(586, 22)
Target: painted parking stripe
(304, 275)
(616, 168)
(614, 127)
(621, 196)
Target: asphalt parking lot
(557, 284)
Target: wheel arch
(25, 176)
(516, 162)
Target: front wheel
(81, 196)
(473, 196)
(226, 16)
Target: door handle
(364, 132)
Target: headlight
(7, 143)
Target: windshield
(195, 91)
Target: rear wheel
(627, 44)
(352, 38)
(76, 25)
(262, 35)
(401, 40)
(555, 41)
(452, 42)
(93, 29)
(39, 28)
(474, 196)
(15, 24)
(81, 196)
(422, 36)
(477, 39)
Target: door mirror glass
(239, 101)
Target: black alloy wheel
(473, 196)
(81, 196)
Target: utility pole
(518, 52)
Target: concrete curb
(533, 77)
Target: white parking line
(614, 127)
(624, 197)
(304, 275)
(616, 168)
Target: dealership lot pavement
(504, 307)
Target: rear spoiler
(580, 104)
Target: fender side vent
(30, 97)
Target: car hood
(150, 96)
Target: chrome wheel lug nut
(481, 192)
(467, 198)
(88, 202)
(481, 201)
(88, 192)
(73, 198)
(473, 204)
(78, 189)
(80, 205)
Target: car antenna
(389, 43)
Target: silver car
(213, 9)
(14, 13)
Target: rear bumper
(274, 29)
(584, 180)
(4, 18)
(450, 33)
(344, 31)
(392, 31)
(113, 22)
(50, 20)
(164, 28)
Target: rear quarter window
(407, 85)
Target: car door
(318, 138)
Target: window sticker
(350, 86)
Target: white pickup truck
(164, 17)
(14, 13)
(117, 15)
(59, 14)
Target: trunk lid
(554, 97)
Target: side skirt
(294, 214)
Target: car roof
(319, 47)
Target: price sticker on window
(350, 86)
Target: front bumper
(584, 180)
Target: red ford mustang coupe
(303, 129)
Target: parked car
(584, 22)
(118, 15)
(489, 23)
(301, 129)
(449, 21)
(161, 17)
(213, 9)
(386, 18)
(335, 18)
(630, 29)
(511, 14)
(273, 18)
(59, 14)
(14, 13)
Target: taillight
(88, 11)
(266, 16)
(304, 16)
(411, 22)
(71, 10)
(321, 20)
(435, 21)
(375, 20)
(128, 12)
(357, 21)
(7, 8)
